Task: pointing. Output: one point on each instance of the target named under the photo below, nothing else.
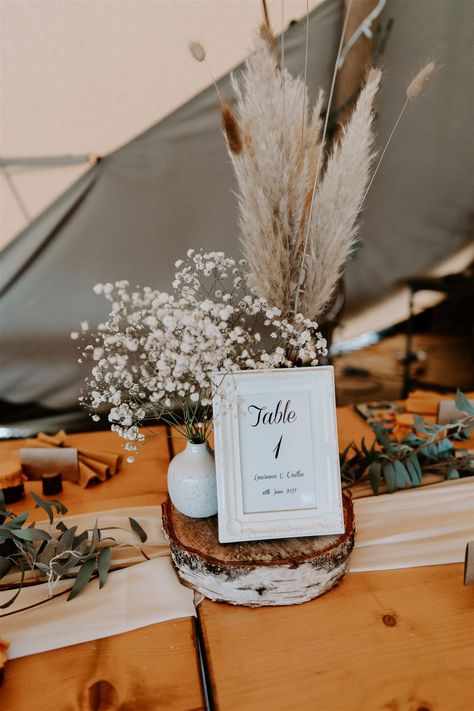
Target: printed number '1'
(277, 448)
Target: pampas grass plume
(420, 80)
(231, 129)
(198, 51)
(267, 35)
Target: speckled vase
(192, 481)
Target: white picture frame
(277, 455)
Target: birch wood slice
(286, 571)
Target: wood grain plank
(154, 667)
(381, 641)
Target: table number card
(277, 459)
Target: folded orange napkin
(89, 464)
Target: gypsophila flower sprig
(154, 356)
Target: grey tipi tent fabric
(140, 208)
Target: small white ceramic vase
(192, 481)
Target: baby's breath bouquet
(154, 356)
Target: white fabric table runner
(429, 525)
(425, 526)
(141, 595)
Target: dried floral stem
(305, 88)
(416, 86)
(199, 54)
(282, 40)
(219, 96)
(387, 143)
(318, 165)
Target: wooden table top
(391, 640)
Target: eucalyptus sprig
(428, 449)
(55, 553)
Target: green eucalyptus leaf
(383, 440)
(66, 564)
(95, 537)
(138, 529)
(452, 474)
(41, 548)
(66, 541)
(17, 521)
(80, 539)
(84, 575)
(59, 506)
(364, 447)
(42, 504)
(445, 447)
(12, 599)
(463, 404)
(389, 476)
(103, 565)
(5, 566)
(402, 479)
(49, 548)
(375, 472)
(6, 533)
(31, 534)
(430, 451)
(61, 526)
(414, 470)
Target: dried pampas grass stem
(320, 156)
(333, 229)
(305, 88)
(416, 86)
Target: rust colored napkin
(80, 465)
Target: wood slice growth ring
(287, 571)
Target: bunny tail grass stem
(305, 88)
(198, 52)
(387, 143)
(318, 165)
(213, 81)
(416, 86)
